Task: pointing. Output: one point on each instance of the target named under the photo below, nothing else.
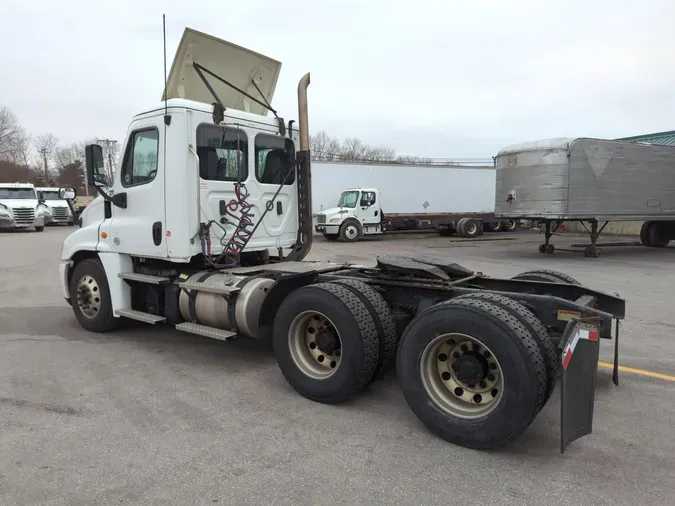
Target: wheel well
(78, 257)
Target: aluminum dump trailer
(588, 180)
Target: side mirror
(66, 193)
(95, 166)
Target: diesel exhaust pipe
(303, 242)
(303, 115)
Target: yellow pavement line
(638, 371)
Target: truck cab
(59, 209)
(20, 207)
(358, 212)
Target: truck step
(143, 278)
(206, 331)
(140, 316)
(208, 287)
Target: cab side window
(367, 199)
(140, 159)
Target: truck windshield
(17, 193)
(348, 199)
(50, 195)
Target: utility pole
(44, 152)
(109, 143)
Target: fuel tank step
(140, 316)
(143, 278)
(209, 287)
(206, 331)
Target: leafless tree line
(42, 160)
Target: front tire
(39, 229)
(325, 342)
(331, 237)
(90, 297)
(498, 347)
(350, 231)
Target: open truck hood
(235, 64)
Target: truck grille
(321, 218)
(24, 215)
(60, 213)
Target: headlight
(334, 220)
(4, 212)
(3, 206)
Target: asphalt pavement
(149, 415)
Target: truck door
(370, 208)
(140, 228)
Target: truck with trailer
(379, 198)
(591, 181)
(61, 210)
(21, 208)
(207, 230)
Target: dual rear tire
(476, 369)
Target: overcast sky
(444, 79)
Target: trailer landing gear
(590, 250)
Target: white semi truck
(378, 197)
(61, 211)
(207, 230)
(21, 208)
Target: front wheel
(39, 229)
(350, 231)
(331, 237)
(90, 297)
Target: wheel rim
(461, 376)
(315, 345)
(512, 225)
(351, 232)
(471, 228)
(88, 296)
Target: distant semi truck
(356, 199)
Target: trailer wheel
(492, 226)
(331, 237)
(472, 373)
(644, 233)
(386, 328)
(350, 231)
(656, 235)
(325, 342)
(534, 326)
(90, 297)
(547, 275)
(509, 225)
(460, 227)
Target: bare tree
(10, 133)
(45, 146)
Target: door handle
(157, 233)
(280, 209)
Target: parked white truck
(20, 207)
(207, 231)
(380, 197)
(61, 211)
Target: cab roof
(17, 185)
(47, 189)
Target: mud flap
(580, 352)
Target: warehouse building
(666, 138)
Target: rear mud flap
(580, 348)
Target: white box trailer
(354, 199)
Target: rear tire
(90, 297)
(547, 275)
(432, 394)
(471, 228)
(460, 227)
(320, 325)
(509, 225)
(657, 235)
(644, 233)
(539, 333)
(386, 328)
